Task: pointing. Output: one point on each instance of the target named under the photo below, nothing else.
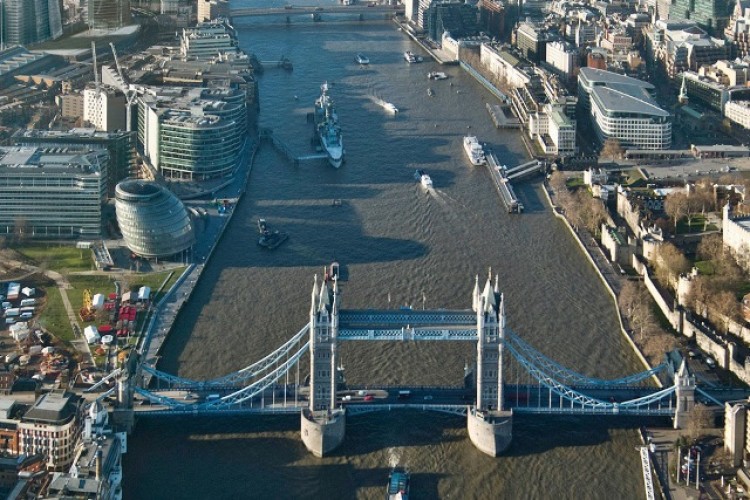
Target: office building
(209, 10)
(26, 22)
(153, 221)
(623, 108)
(104, 108)
(52, 193)
(120, 145)
(108, 14)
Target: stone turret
(322, 424)
(684, 383)
(490, 427)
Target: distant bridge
(293, 10)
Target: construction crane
(130, 93)
(96, 71)
(87, 312)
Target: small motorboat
(423, 178)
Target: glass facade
(153, 221)
(61, 198)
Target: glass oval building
(153, 221)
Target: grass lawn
(54, 318)
(633, 178)
(574, 182)
(705, 267)
(696, 225)
(63, 259)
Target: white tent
(91, 334)
(98, 301)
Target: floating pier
(503, 185)
(267, 134)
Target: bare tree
(724, 308)
(676, 207)
(701, 419)
(711, 247)
(613, 148)
(669, 264)
(700, 291)
(635, 304)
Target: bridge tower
(490, 427)
(684, 384)
(322, 424)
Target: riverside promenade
(213, 226)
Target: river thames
(399, 245)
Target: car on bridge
(369, 397)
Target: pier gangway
(524, 169)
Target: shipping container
(28, 302)
(13, 311)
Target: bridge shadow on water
(536, 434)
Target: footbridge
(509, 376)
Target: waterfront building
(209, 10)
(120, 145)
(153, 221)
(52, 193)
(507, 67)
(458, 18)
(207, 40)
(736, 236)
(104, 108)
(561, 130)
(108, 14)
(24, 22)
(193, 133)
(622, 107)
(51, 427)
(96, 473)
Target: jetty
(266, 134)
(502, 184)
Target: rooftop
(619, 100)
(54, 407)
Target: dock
(503, 185)
(501, 118)
(266, 134)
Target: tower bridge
(509, 376)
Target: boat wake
(394, 457)
(390, 107)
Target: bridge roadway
(522, 398)
(293, 10)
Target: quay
(166, 311)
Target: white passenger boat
(474, 150)
(362, 59)
(437, 75)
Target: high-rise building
(104, 108)
(25, 22)
(108, 14)
(712, 15)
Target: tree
(669, 264)
(635, 304)
(724, 309)
(613, 148)
(676, 207)
(711, 247)
(701, 418)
